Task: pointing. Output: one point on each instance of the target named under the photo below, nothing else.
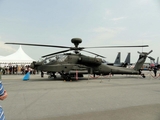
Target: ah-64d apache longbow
(64, 63)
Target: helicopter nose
(35, 64)
(32, 65)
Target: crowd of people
(17, 69)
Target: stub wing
(62, 68)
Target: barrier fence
(147, 74)
(151, 74)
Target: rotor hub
(76, 41)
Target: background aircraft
(153, 63)
(118, 62)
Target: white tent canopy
(19, 57)
(1, 56)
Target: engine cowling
(86, 60)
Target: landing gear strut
(65, 76)
(142, 74)
(52, 74)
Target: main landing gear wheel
(52, 75)
(66, 77)
(143, 75)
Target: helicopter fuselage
(69, 62)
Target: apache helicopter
(65, 63)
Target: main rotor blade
(55, 53)
(37, 45)
(94, 54)
(79, 48)
(116, 46)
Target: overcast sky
(96, 22)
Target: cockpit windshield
(55, 58)
(41, 59)
(61, 58)
(104, 61)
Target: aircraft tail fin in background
(118, 59)
(127, 60)
(141, 60)
(157, 61)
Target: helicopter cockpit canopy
(104, 61)
(55, 58)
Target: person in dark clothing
(155, 71)
(42, 73)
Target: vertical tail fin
(127, 60)
(118, 59)
(141, 60)
(157, 60)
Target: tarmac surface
(120, 97)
